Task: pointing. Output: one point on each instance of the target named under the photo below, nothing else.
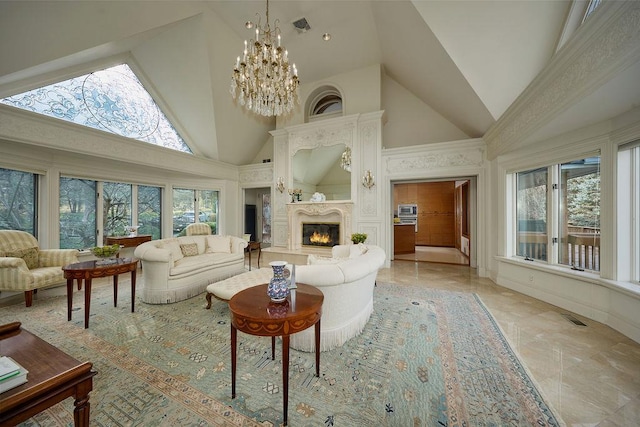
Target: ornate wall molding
(258, 173)
(31, 128)
(606, 44)
(321, 138)
(411, 162)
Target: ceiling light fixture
(326, 37)
(262, 80)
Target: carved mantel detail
(297, 213)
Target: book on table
(12, 374)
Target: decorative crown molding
(606, 44)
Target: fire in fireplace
(320, 234)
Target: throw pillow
(189, 249)
(29, 255)
(219, 244)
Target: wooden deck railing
(580, 249)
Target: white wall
(410, 121)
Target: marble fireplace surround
(329, 211)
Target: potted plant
(358, 238)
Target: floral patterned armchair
(25, 267)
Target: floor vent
(573, 320)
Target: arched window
(324, 102)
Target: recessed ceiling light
(326, 37)
(248, 25)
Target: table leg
(273, 348)
(133, 290)
(318, 348)
(259, 252)
(87, 301)
(81, 404)
(285, 375)
(234, 338)
(115, 290)
(79, 284)
(249, 257)
(69, 297)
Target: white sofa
(178, 268)
(347, 280)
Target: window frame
(554, 202)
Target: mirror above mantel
(319, 170)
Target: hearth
(320, 234)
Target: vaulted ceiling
(466, 60)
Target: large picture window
(191, 206)
(531, 214)
(18, 196)
(558, 214)
(149, 210)
(121, 205)
(116, 207)
(77, 213)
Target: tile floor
(589, 374)
(435, 254)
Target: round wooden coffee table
(88, 270)
(253, 312)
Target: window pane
(116, 207)
(531, 216)
(183, 209)
(208, 208)
(77, 213)
(17, 201)
(149, 210)
(579, 221)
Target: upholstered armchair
(25, 267)
(198, 229)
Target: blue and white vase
(278, 288)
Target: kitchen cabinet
(404, 239)
(404, 194)
(436, 214)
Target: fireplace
(336, 213)
(320, 233)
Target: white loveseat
(175, 269)
(347, 280)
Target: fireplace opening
(320, 234)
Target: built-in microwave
(407, 210)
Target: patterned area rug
(426, 358)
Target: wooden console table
(88, 270)
(128, 242)
(53, 376)
(251, 245)
(253, 312)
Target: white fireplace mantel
(329, 211)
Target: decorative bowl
(106, 251)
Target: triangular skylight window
(111, 100)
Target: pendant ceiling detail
(263, 81)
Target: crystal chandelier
(262, 80)
(345, 160)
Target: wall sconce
(368, 180)
(280, 185)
